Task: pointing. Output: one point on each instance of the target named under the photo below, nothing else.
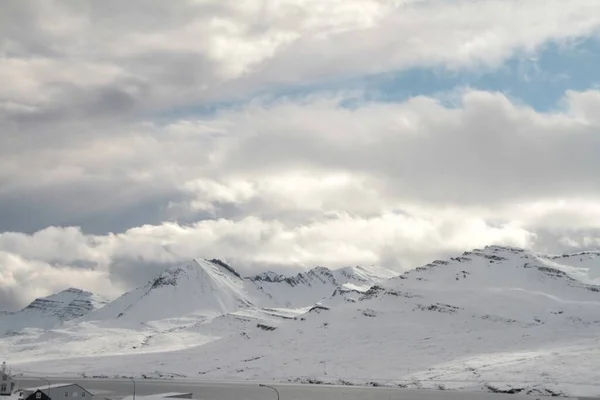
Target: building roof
(160, 396)
(53, 386)
(174, 395)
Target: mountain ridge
(228, 291)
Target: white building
(59, 391)
(7, 383)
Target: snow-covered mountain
(497, 318)
(51, 311)
(203, 288)
(192, 305)
(209, 288)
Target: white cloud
(164, 54)
(91, 137)
(22, 280)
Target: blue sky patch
(537, 79)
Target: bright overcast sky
(285, 134)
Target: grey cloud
(488, 150)
(132, 273)
(9, 299)
(97, 206)
(567, 239)
(75, 103)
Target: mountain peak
(173, 275)
(320, 270)
(512, 249)
(268, 276)
(202, 287)
(61, 299)
(227, 267)
(509, 267)
(168, 277)
(496, 250)
(72, 290)
(75, 291)
(52, 310)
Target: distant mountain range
(498, 319)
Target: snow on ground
(358, 288)
(492, 319)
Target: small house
(37, 395)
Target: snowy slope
(492, 319)
(202, 289)
(51, 311)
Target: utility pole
(132, 380)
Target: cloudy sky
(285, 134)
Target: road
(209, 390)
